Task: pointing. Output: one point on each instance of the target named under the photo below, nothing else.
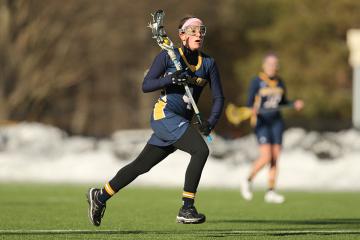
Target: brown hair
(270, 54)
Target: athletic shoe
(273, 197)
(96, 208)
(189, 215)
(245, 190)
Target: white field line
(77, 231)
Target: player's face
(193, 35)
(271, 66)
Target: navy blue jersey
(172, 111)
(267, 93)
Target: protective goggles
(193, 30)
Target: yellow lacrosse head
(236, 115)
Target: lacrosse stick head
(236, 115)
(158, 31)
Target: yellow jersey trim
(269, 82)
(271, 91)
(159, 108)
(191, 67)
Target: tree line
(79, 64)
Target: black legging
(191, 142)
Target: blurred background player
(267, 91)
(170, 121)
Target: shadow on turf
(273, 233)
(346, 221)
(313, 227)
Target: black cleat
(189, 215)
(96, 208)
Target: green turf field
(60, 212)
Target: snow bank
(310, 160)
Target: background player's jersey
(265, 92)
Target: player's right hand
(181, 77)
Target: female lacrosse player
(170, 121)
(267, 91)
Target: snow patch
(310, 160)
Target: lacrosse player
(267, 91)
(170, 121)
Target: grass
(35, 211)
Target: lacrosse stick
(236, 115)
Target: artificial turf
(41, 211)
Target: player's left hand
(298, 104)
(205, 128)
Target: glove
(181, 77)
(205, 128)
